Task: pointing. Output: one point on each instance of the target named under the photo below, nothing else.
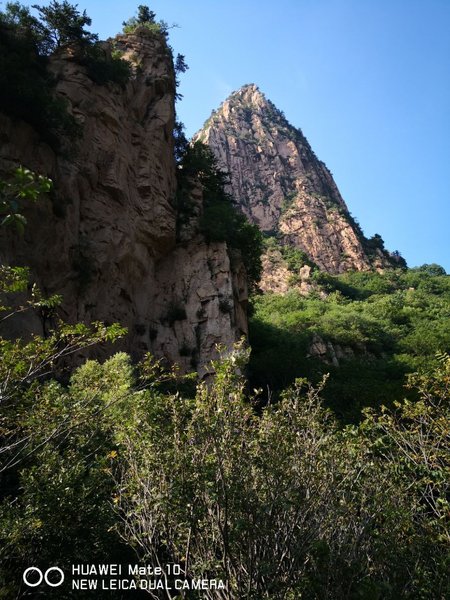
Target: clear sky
(367, 81)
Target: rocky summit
(283, 187)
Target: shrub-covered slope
(366, 329)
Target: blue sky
(367, 81)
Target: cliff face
(282, 186)
(106, 240)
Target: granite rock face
(281, 185)
(106, 240)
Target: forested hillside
(367, 329)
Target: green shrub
(103, 67)
(21, 186)
(285, 504)
(145, 18)
(57, 485)
(432, 269)
(296, 259)
(278, 502)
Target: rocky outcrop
(200, 301)
(106, 239)
(282, 186)
(330, 353)
(277, 277)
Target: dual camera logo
(32, 577)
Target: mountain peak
(281, 186)
(247, 89)
(248, 94)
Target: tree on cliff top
(57, 24)
(146, 18)
(145, 15)
(64, 24)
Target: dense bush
(56, 484)
(55, 496)
(278, 502)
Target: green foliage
(58, 474)
(432, 269)
(180, 66)
(17, 20)
(278, 500)
(62, 24)
(414, 440)
(106, 67)
(13, 279)
(145, 15)
(25, 361)
(296, 259)
(181, 144)
(145, 18)
(375, 246)
(131, 25)
(55, 492)
(28, 87)
(221, 222)
(278, 503)
(376, 242)
(23, 185)
(381, 325)
(284, 504)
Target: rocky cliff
(283, 188)
(106, 239)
